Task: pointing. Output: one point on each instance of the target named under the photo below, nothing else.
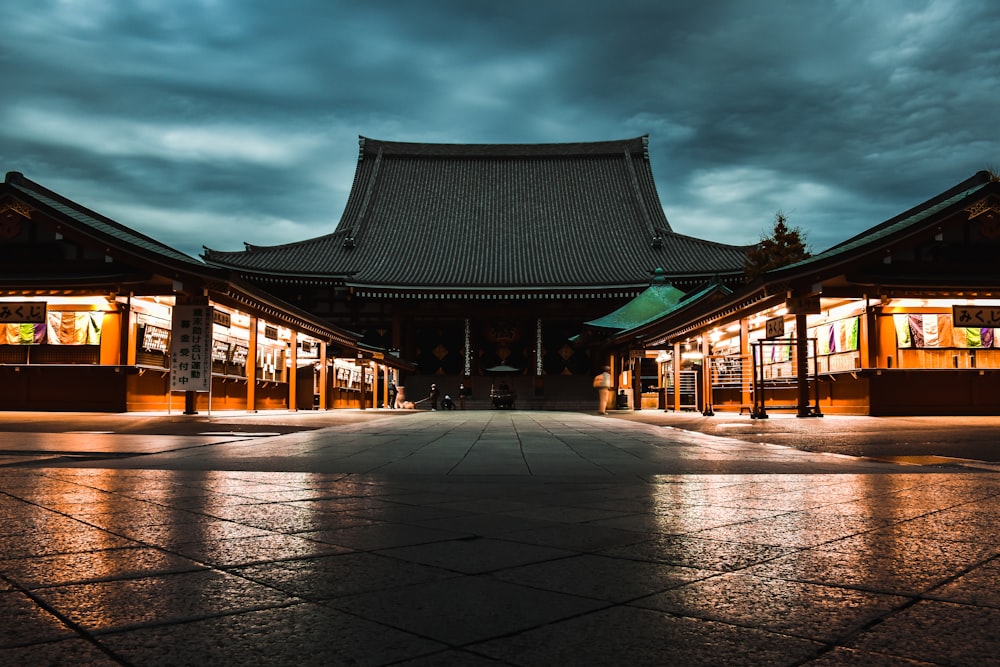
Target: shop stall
(89, 322)
(901, 319)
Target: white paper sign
(191, 348)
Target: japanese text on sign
(191, 348)
(774, 327)
(22, 312)
(972, 317)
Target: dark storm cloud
(217, 122)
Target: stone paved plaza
(485, 538)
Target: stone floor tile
(23, 622)
(451, 658)
(256, 549)
(910, 573)
(275, 517)
(127, 603)
(170, 535)
(484, 525)
(77, 538)
(404, 513)
(103, 564)
(565, 514)
(336, 576)
(643, 637)
(938, 632)
(65, 653)
(846, 657)
(979, 586)
(302, 635)
(793, 529)
(476, 555)
(465, 609)
(957, 525)
(810, 611)
(37, 520)
(603, 578)
(132, 513)
(577, 537)
(698, 553)
(381, 536)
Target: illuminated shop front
(89, 322)
(902, 319)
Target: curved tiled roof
(99, 224)
(453, 216)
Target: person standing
(603, 384)
(391, 401)
(434, 397)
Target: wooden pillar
(385, 385)
(677, 377)
(636, 382)
(802, 365)
(251, 368)
(746, 366)
(868, 337)
(293, 378)
(362, 381)
(322, 376)
(707, 402)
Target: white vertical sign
(191, 348)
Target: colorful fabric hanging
(917, 330)
(973, 337)
(946, 337)
(67, 328)
(931, 338)
(902, 323)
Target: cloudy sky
(214, 122)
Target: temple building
(516, 272)
(483, 261)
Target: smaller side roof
(98, 226)
(897, 225)
(659, 297)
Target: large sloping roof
(515, 216)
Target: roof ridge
(567, 149)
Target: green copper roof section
(659, 297)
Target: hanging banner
(191, 348)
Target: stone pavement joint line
(497, 539)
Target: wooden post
(251, 368)
(802, 365)
(293, 382)
(322, 376)
(677, 377)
